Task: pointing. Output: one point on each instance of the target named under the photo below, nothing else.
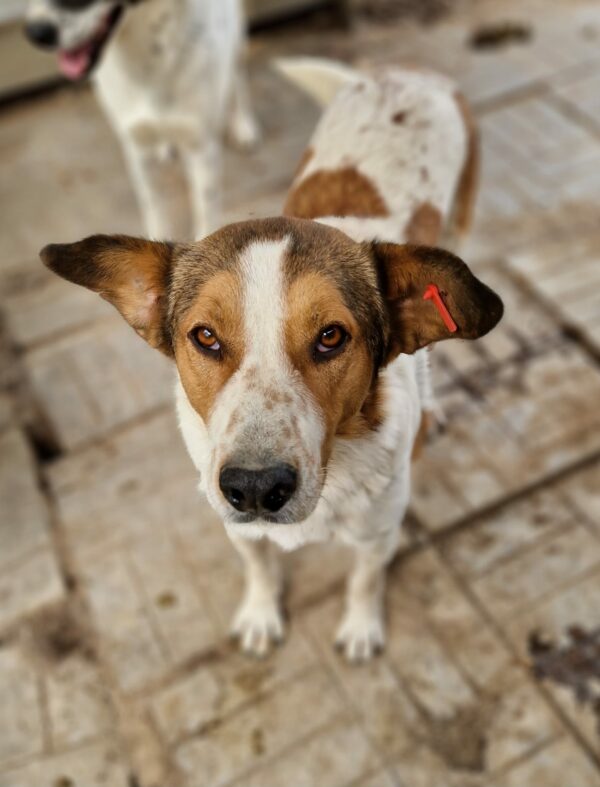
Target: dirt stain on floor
(575, 665)
(499, 34)
(461, 740)
(58, 633)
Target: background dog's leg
(258, 622)
(144, 165)
(203, 172)
(243, 129)
(361, 633)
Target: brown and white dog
(298, 340)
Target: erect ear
(132, 273)
(432, 295)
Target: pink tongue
(75, 64)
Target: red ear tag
(433, 294)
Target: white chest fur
(363, 474)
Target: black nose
(41, 33)
(257, 491)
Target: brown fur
(466, 191)
(424, 226)
(341, 192)
(130, 273)
(406, 271)
(340, 386)
(203, 377)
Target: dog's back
(394, 156)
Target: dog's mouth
(78, 63)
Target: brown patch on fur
(286, 432)
(203, 377)
(399, 117)
(340, 386)
(422, 434)
(466, 191)
(369, 418)
(130, 273)
(341, 192)
(424, 226)
(304, 161)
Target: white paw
(244, 132)
(360, 635)
(258, 625)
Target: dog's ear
(131, 273)
(432, 295)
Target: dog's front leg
(144, 167)
(258, 622)
(361, 633)
(203, 172)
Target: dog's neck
(153, 28)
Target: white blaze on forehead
(264, 414)
(261, 270)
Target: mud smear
(424, 11)
(575, 665)
(58, 633)
(251, 680)
(461, 739)
(501, 34)
(257, 739)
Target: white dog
(170, 77)
(298, 342)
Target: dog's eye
(204, 339)
(332, 338)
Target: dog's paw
(258, 625)
(244, 132)
(361, 635)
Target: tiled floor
(117, 583)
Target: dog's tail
(319, 77)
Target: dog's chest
(160, 59)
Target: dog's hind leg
(242, 130)
(144, 166)
(202, 165)
(258, 623)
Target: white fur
(321, 79)
(358, 130)
(170, 78)
(366, 491)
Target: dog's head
(78, 29)
(279, 329)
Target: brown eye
(333, 338)
(204, 339)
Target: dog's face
(78, 29)
(279, 328)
